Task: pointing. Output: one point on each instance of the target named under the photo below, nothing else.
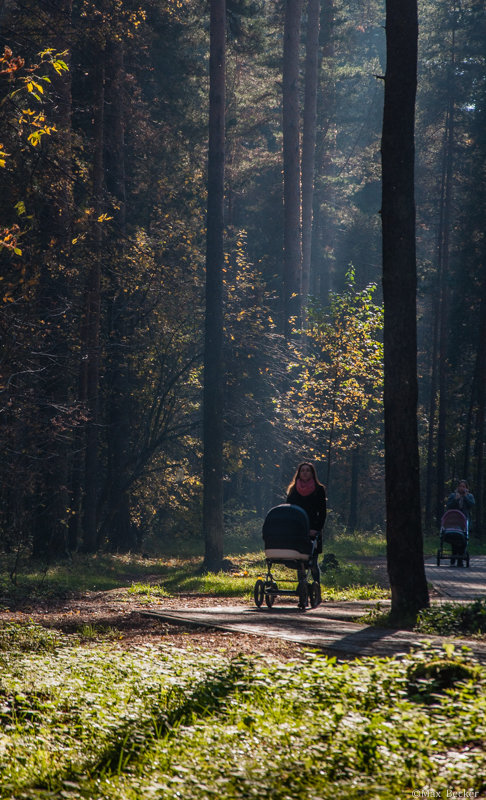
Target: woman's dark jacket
(315, 505)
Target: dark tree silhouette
(291, 162)
(213, 339)
(309, 137)
(404, 531)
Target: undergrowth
(454, 618)
(106, 722)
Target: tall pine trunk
(439, 314)
(309, 138)
(291, 164)
(213, 430)
(324, 223)
(92, 330)
(404, 533)
(50, 532)
(444, 293)
(118, 527)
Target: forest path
(334, 628)
(331, 628)
(456, 583)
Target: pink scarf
(305, 488)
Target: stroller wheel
(314, 594)
(270, 598)
(259, 592)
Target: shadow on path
(313, 629)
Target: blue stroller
(454, 531)
(287, 541)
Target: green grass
(155, 577)
(106, 722)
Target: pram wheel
(314, 594)
(259, 592)
(270, 594)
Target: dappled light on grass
(152, 578)
(107, 722)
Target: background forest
(103, 157)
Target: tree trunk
(309, 138)
(54, 299)
(92, 330)
(213, 430)
(439, 316)
(291, 164)
(119, 530)
(481, 418)
(324, 225)
(402, 482)
(444, 295)
(353, 502)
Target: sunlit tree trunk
(404, 532)
(309, 138)
(291, 164)
(431, 473)
(444, 316)
(213, 431)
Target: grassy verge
(110, 723)
(152, 578)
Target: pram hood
(286, 532)
(454, 520)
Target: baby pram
(454, 531)
(287, 541)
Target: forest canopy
(103, 162)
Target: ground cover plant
(454, 619)
(155, 721)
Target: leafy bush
(452, 618)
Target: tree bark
(92, 330)
(118, 527)
(439, 316)
(444, 292)
(54, 300)
(213, 430)
(309, 138)
(291, 164)
(402, 483)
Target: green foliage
(337, 388)
(111, 723)
(454, 618)
(427, 678)
(30, 638)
